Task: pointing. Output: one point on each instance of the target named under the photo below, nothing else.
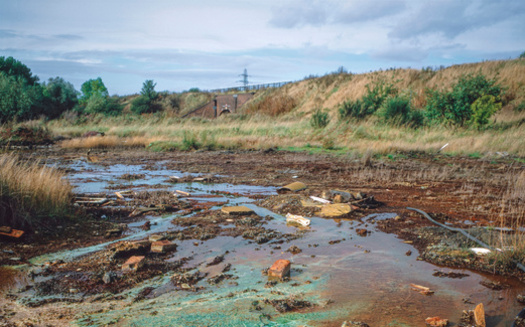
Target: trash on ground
(140, 211)
(421, 289)
(436, 321)
(293, 187)
(480, 251)
(479, 315)
(297, 220)
(237, 211)
(181, 193)
(335, 210)
(90, 201)
(280, 269)
(324, 201)
(156, 237)
(10, 232)
(134, 263)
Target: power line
(244, 76)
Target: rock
(294, 249)
(108, 277)
(479, 315)
(280, 269)
(362, 232)
(237, 211)
(334, 210)
(436, 321)
(134, 263)
(113, 232)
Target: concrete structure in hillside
(220, 105)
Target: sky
(208, 43)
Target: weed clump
(320, 119)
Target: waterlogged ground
(337, 275)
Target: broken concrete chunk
(280, 269)
(334, 210)
(163, 246)
(479, 315)
(237, 211)
(293, 187)
(134, 263)
(436, 321)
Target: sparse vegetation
(320, 119)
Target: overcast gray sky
(208, 43)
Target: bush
(398, 111)
(319, 119)
(98, 104)
(456, 106)
(482, 109)
(351, 109)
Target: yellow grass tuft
(31, 194)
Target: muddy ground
(459, 191)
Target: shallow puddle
(345, 276)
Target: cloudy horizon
(207, 44)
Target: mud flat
(358, 267)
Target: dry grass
(31, 194)
(101, 142)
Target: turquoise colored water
(354, 278)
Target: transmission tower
(244, 76)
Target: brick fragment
(280, 269)
(134, 263)
(163, 246)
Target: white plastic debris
(480, 250)
(297, 219)
(315, 198)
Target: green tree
(147, 101)
(12, 67)
(522, 55)
(60, 96)
(92, 87)
(16, 98)
(148, 90)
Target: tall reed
(31, 194)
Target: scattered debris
(134, 263)
(294, 249)
(289, 304)
(362, 232)
(90, 201)
(321, 200)
(156, 237)
(108, 277)
(218, 259)
(421, 289)
(181, 193)
(335, 210)
(479, 315)
(280, 269)
(237, 211)
(293, 187)
(10, 232)
(451, 274)
(519, 321)
(496, 286)
(113, 232)
(296, 219)
(163, 246)
(436, 321)
(480, 251)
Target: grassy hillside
(281, 117)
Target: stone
(335, 210)
(108, 277)
(163, 246)
(156, 237)
(436, 321)
(237, 211)
(479, 315)
(134, 263)
(280, 269)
